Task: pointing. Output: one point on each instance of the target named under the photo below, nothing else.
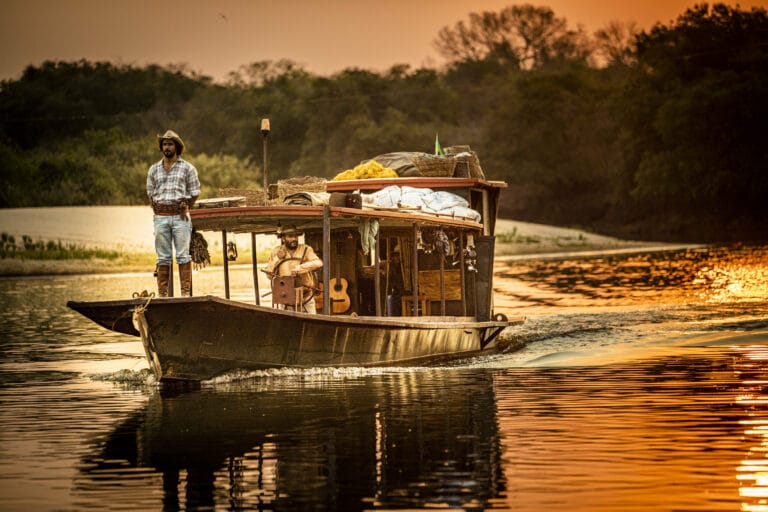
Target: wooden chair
(407, 304)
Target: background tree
(615, 44)
(556, 145)
(523, 36)
(701, 95)
(652, 135)
(63, 99)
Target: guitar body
(340, 302)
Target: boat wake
(310, 377)
(611, 336)
(132, 378)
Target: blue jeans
(172, 231)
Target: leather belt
(174, 208)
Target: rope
(198, 249)
(140, 309)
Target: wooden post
(415, 272)
(442, 286)
(226, 262)
(255, 263)
(386, 279)
(327, 258)
(377, 282)
(265, 182)
(486, 213)
(462, 273)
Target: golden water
(641, 385)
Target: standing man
(294, 259)
(172, 187)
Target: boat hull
(196, 338)
(115, 315)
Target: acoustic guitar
(340, 302)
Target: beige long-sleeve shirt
(299, 261)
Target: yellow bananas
(367, 170)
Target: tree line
(655, 134)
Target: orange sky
(217, 36)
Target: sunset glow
(215, 38)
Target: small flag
(438, 147)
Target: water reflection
(713, 274)
(752, 473)
(405, 440)
(661, 434)
(682, 431)
(651, 397)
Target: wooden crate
(435, 166)
(407, 305)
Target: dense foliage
(658, 134)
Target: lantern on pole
(265, 134)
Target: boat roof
(266, 219)
(419, 182)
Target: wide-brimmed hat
(288, 229)
(170, 134)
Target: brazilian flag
(438, 147)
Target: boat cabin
(381, 260)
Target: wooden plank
(429, 284)
(421, 182)
(220, 202)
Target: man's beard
(169, 153)
(293, 244)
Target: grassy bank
(27, 257)
(515, 238)
(132, 262)
(23, 256)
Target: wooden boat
(444, 308)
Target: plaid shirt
(179, 182)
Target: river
(640, 385)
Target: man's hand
(184, 212)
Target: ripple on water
(619, 392)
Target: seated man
(291, 258)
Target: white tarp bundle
(423, 199)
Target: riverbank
(515, 240)
(125, 264)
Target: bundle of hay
(253, 196)
(303, 184)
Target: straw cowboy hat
(170, 134)
(288, 229)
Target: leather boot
(185, 277)
(163, 274)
